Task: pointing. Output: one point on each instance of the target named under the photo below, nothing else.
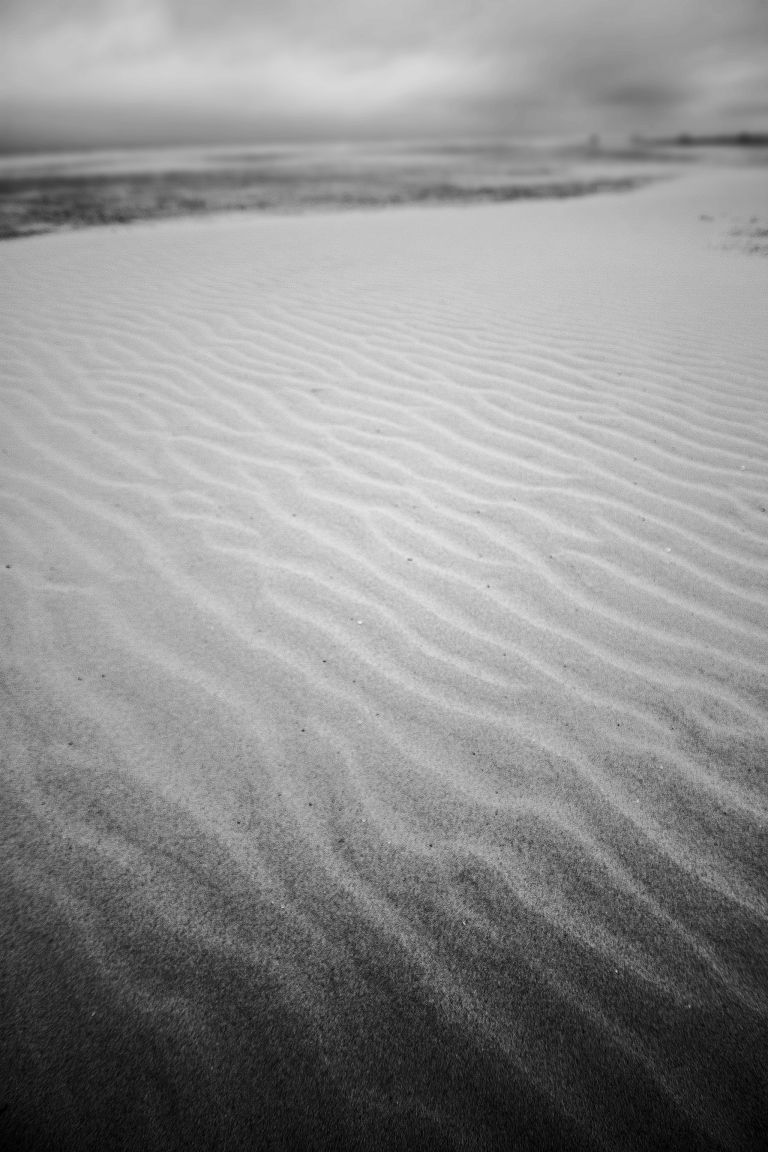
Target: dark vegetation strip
(53, 202)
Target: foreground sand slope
(385, 678)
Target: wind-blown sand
(385, 678)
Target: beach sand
(385, 678)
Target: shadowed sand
(385, 679)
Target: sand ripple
(385, 638)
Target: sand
(385, 678)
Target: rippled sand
(385, 678)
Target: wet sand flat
(384, 656)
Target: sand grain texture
(385, 679)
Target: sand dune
(385, 678)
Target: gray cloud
(114, 69)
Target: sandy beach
(384, 662)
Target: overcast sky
(82, 72)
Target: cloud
(496, 65)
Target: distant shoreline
(51, 193)
(717, 140)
